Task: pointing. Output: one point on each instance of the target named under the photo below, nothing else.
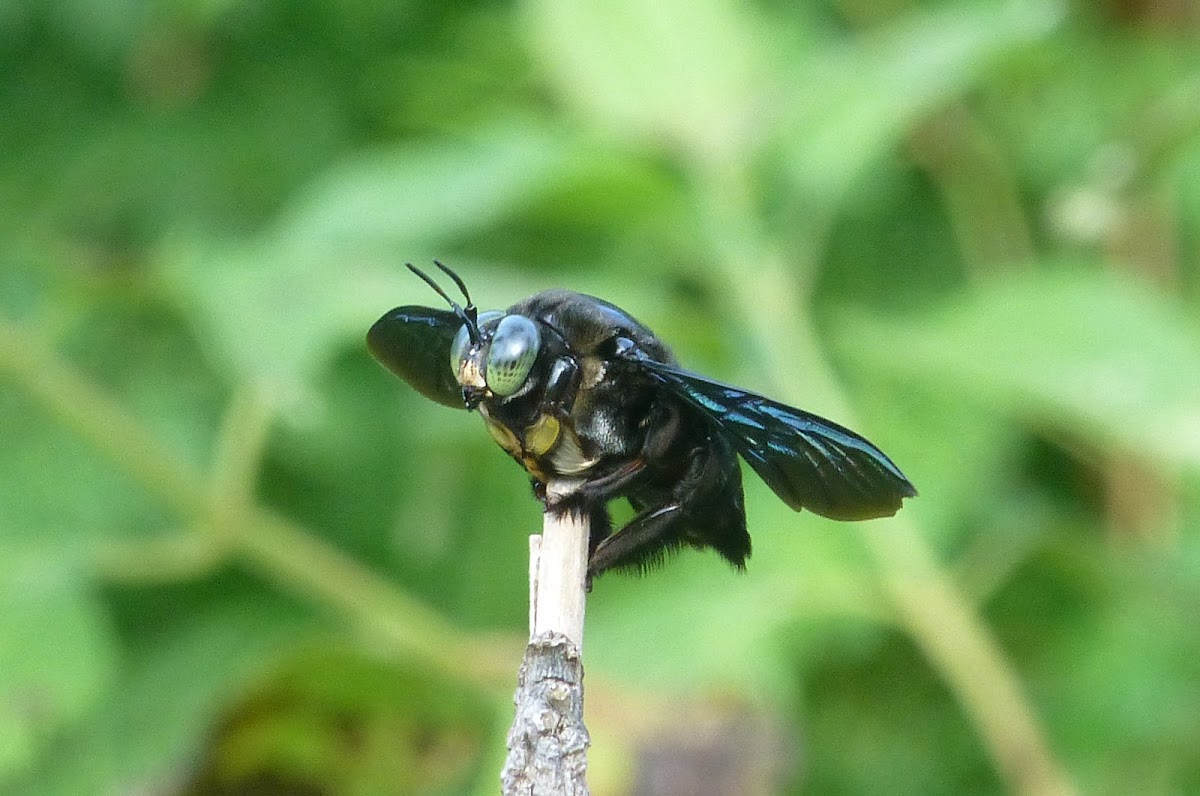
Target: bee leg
(664, 426)
(599, 529)
(640, 544)
(600, 490)
(704, 508)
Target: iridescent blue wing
(808, 461)
(414, 343)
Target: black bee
(573, 387)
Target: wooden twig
(548, 742)
(557, 577)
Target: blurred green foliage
(236, 556)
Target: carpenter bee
(572, 387)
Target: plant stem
(558, 576)
(548, 742)
(927, 603)
(281, 551)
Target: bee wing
(414, 343)
(808, 461)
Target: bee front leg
(663, 424)
(600, 490)
(704, 508)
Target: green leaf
(851, 103)
(681, 72)
(68, 492)
(273, 309)
(803, 568)
(57, 654)
(171, 690)
(420, 194)
(955, 452)
(1104, 358)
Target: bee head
(493, 353)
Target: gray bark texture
(547, 744)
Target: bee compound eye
(460, 349)
(514, 348)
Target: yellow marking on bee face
(542, 435)
(531, 449)
(504, 438)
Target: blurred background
(237, 556)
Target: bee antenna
(458, 281)
(469, 315)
